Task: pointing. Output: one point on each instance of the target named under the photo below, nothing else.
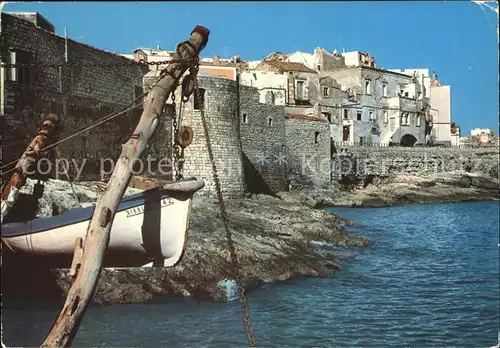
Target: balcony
(302, 102)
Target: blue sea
(431, 279)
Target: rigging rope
(109, 117)
(231, 247)
(100, 121)
(103, 120)
(95, 64)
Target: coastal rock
(403, 189)
(415, 180)
(273, 240)
(453, 179)
(274, 237)
(482, 181)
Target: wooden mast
(26, 165)
(66, 325)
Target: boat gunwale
(77, 215)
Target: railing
(369, 145)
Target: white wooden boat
(152, 224)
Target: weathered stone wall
(95, 84)
(308, 150)
(221, 112)
(329, 62)
(86, 153)
(414, 161)
(262, 128)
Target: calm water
(431, 279)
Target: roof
(300, 57)
(226, 72)
(305, 118)
(274, 55)
(384, 71)
(381, 70)
(289, 66)
(154, 51)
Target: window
(372, 116)
(406, 94)
(326, 91)
(346, 114)
(359, 116)
(269, 121)
(300, 90)
(245, 118)
(316, 137)
(328, 116)
(386, 116)
(319, 67)
(404, 119)
(273, 98)
(368, 86)
(384, 90)
(23, 73)
(401, 92)
(199, 98)
(419, 119)
(374, 131)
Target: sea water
(430, 279)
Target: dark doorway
(345, 133)
(408, 140)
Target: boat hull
(150, 228)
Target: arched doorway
(408, 140)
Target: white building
(481, 131)
(272, 87)
(382, 106)
(442, 129)
(293, 84)
(364, 104)
(482, 135)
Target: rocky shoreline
(405, 189)
(274, 238)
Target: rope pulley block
(184, 136)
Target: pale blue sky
(456, 39)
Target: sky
(457, 39)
